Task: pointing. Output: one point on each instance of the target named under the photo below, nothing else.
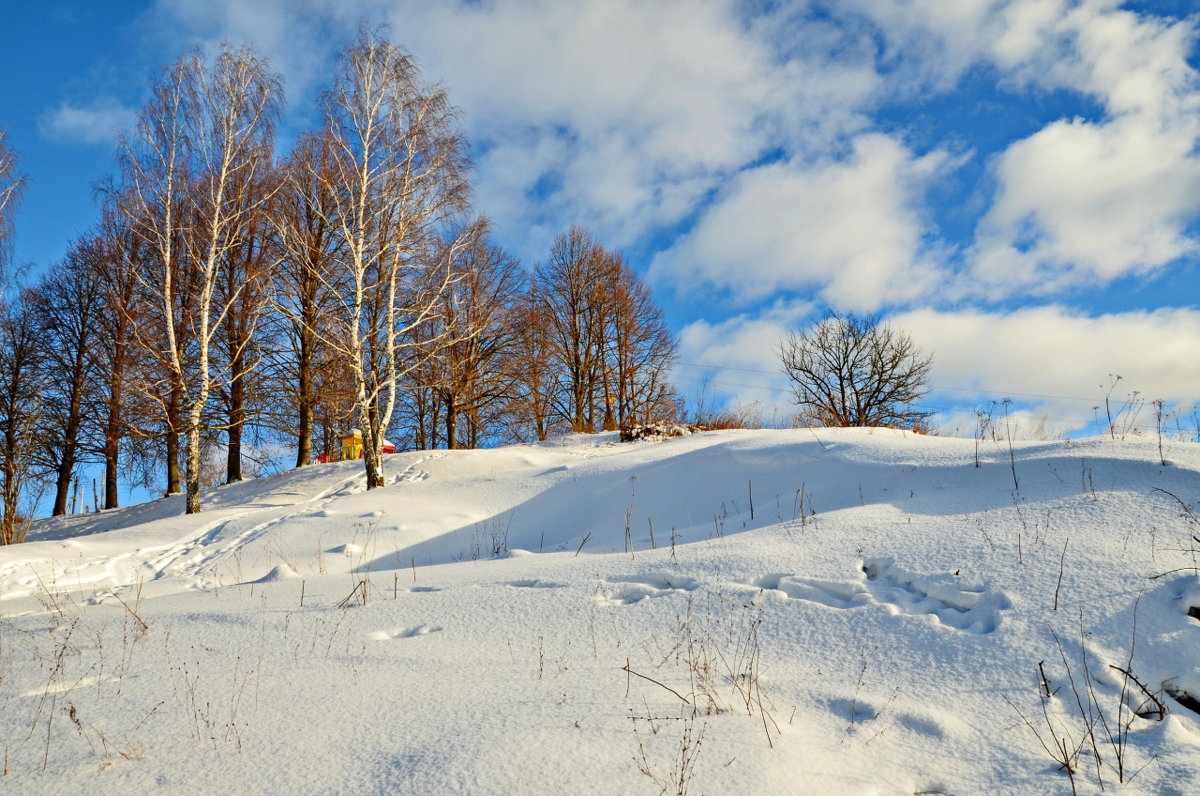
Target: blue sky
(1016, 184)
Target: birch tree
(156, 170)
(398, 165)
(203, 143)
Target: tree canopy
(847, 370)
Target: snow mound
(828, 611)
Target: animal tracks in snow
(414, 473)
(410, 632)
(955, 602)
(831, 593)
(960, 604)
(635, 588)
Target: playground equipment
(351, 448)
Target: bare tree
(851, 371)
(66, 305)
(638, 352)
(530, 411)
(203, 144)
(244, 289)
(115, 401)
(572, 283)
(305, 221)
(156, 171)
(399, 174)
(421, 408)
(20, 410)
(606, 337)
(12, 185)
(473, 372)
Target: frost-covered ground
(854, 611)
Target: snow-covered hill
(849, 611)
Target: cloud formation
(98, 122)
(1089, 201)
(1059, 358)
(788, 156)
(849, 229)
(751, 130)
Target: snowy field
(743, 612)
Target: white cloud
(98, 122)
(1059, 358)
(851, 229)
(1081, 202)
(631, 113)
(928, 44)
(299, 36)
(1134, 63)
(1129, 61)
(656, 103)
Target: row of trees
(229, 297)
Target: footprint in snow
(536, 584)
(955, 602)
(411, 632)
(825, 592)
(951, 600)
(855, 711)
(635, 588)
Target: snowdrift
(828, 611)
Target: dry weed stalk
(1085, 724)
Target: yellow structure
(352, 445)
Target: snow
(590, 616)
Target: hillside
(845, 611)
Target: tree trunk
(173, 441)
(451, 425)
(111, 500)
(237, 423)
(304, 431)
(305, 435)
(193, 466)
(62, 483)
(8, 470)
